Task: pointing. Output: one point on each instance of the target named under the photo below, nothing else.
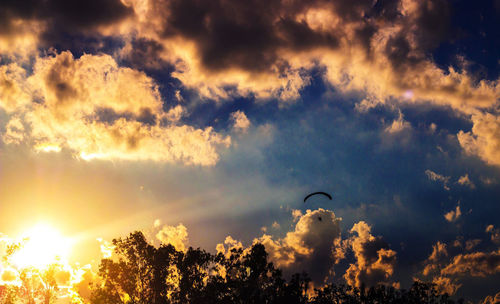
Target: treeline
(141, 273)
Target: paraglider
(320, 192)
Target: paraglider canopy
(315, 193)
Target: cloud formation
(484, 138)
(453, 215)
(374, 260)
(495, 233)
(240, 121)
(225, 50)
(97, 109)
(492, 299)
(465, 181)
(433, 176)
(315, 246)
(476, 264)
(310, 247)
(448, 265)
(27, 25)
(268, 50)
(177, 236)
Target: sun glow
(41, 246)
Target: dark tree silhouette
(141, 273)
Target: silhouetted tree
(193, 269)
(246, 278)
(421, 293)
(141, 273)
(138, 275)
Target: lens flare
(40, 247)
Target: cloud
(14, 131)
(470, 244)
(177, 236)
(476, 264)
(106, 247)
(439, 254)
(315, 246)
(175, 113)
(447, 266)
(29, 24)
(14, 93)
(19, 38)
(446, 285)
(433, 176)
(495, 233)
(433, 266)
(240, 121)
(453, 215)
(374, 260)
(310, 247)
(82, 283)
(465, 181)
(296, 214)
(230, 243)
(97, 109)
(484, 139)
(398, 125)
(492, 299)
(267, 49)
(9, 276)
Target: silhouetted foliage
(418, 293)
(141, 273)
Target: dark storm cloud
(61, 16)
(144, 53)
(242, 33)
(86, 14)
(248, 34)
(427, 25)
(433, 23)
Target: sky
(206, 123)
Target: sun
(41, 246)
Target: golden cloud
(14, 93)
(446, 270)
(453, 215)
(241, 121)
(350, 62)
(374, 261)
(21, 38)
(439, 253)
(484, 139)
(334, 37)
(99, 110)
(228, 52)
(492, 299)
(177, 236)
(477, 264)
(310, 247)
